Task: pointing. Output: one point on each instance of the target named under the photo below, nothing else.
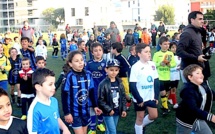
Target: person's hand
(140, 104)
(123, 114)
(111, 113)
(66, 131)
(97, 111)
(201, 58)
(156, 101)
(213, 119)
(25, 77)
(2, 67)
(68, 118)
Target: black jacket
(105, 98)
(190, 47)
(107, 46)
(129, 39)
(189, 107)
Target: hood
(190, 26)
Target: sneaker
(165, 111)
(101, 127)
(170, 101)
(91, 132)
(175, 106)
(24, 117)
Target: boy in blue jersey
(97, 67)
(28, 51)
(43, 114)
(77, 91)
(73, 45)
(81, 48)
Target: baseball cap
(113, 63)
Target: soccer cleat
(175, 106)
(170, 101)
(91, 132)
(24, 117)
(101, 127)
(165, 111)
(19, 104)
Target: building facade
(202, 5)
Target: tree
(59, 14)
(166, 14)
(210, 15)
(49, 15)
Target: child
(63, 47)
(145, 38)
(41, 49)
(6, 47)
(13, 75)
(136, 36)
(211, 36)
(195, 107)
(164, 61)
(174, 76)
(61, 77)
(89, 43)
(124, 68)
(55, 46)
(28, 52)
(144, 85)
(129, 38)
(73, 45)
(40, 62)
(43, 114)
(77, 91)
(107, 47)
(4, 68)
(81, 48)
(25, 81)
(132, 58)
(112, 100)
(8, 123)
(97, 67)
(17, 45)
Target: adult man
(190, 43)
(182, 26)
(26, 31)
(154, 34)
(113, 31)
(161, 29)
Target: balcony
(6, 1)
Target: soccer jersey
(14, 126)
(43, 117)
(41, 50)
(97, 69)
(164, 71)
(6, 48)
(73, 47)
(6, 63)
(78, 88)
(175, 71)
(14, 71)
(144, 75)
(27, 53)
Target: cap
(113, 63)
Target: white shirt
(41, 50)
(17, 47)
(144, 74)
(211, 36)
(69, 37)
(85, 38)
(175, 72)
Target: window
(128, 3)
(30, 12)
(138, 11)
(17, 4)
(133, 2)
(139, 18)
(79, 22)
(86, 11)
(73, 11)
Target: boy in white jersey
(144, 85)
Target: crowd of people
(95, 93)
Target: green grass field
(163, 125)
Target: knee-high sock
(138, 129)
(164, 101)
(93, 122)
(100, 119)
(146, 120)
(174, 100)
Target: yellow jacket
(6, 50)
(6, 63)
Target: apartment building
(202, 5)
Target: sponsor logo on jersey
(82, 96)
(96, 74)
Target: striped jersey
(78, 89)
(31, 56)
(14, 71)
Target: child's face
(177, 37)
(91, 37)
(47, 89)
(108, 37)
(112, 72)
(145, 54)
(24, 44)
(7, 41)
(113, 51)
(82, 46)
(77, 63)
(133, 52)
(165, 46)
(5, 109)
(72, 42)
(1, 49)
(13, 53)
(196, 77)
(173, 49)
(40, 64)
(97, 52)
(40, 42)
(17, 40)
(26, 64)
